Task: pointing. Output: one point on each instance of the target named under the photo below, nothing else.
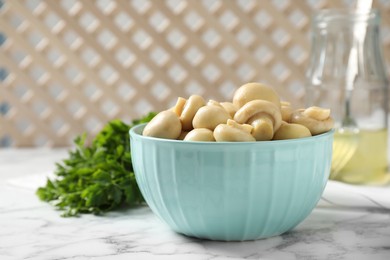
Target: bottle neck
(346, 48)
(344, 17)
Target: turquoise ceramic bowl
(231, 191)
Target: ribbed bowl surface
(231, 191)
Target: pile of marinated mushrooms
(256, 114)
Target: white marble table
(31, 229)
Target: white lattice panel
(70, 66)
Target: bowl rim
(135, 129)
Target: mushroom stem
(286, 111)
(263, 129)
(178, 108)
(190, 108)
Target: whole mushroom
(263, 115)
(316, 119)
(165, 124)
(200, 134)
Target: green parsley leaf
(96, 178)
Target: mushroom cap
(317, 113)
(165, 124)
(227, 133)
(210, 116)
(291, 131)
(253, 91)
(200, 134)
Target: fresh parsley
(96, 178)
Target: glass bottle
(347, 74)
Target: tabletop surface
(31, 229)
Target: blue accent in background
(2, 38)
(5, 141)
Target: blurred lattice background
(69, 66)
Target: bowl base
(220, 239)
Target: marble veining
(31, 229)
